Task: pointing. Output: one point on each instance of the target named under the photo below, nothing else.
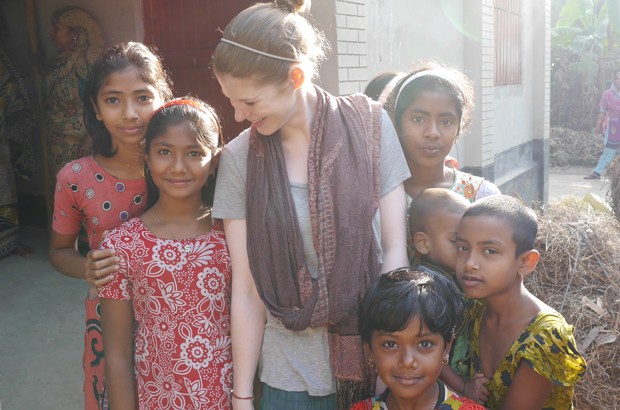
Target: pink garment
(181, 302)
(86, 193)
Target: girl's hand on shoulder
(475, 388)
(100, 266)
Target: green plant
(584, 51)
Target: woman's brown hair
(276, 28)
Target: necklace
(185, 248)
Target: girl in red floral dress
(165, 315)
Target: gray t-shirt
(298, 360)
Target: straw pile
(579, 275)
(570, 148)
(613, 194)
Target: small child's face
(441, 229)
(409, 361)
(486, 264)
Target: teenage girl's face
(429, 128)
(124, 104)
(409, 361)
(268, 107)
(179, 164)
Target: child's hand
(100, 265)
(475, 388)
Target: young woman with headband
(313, 207)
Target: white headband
(262, 53)
(387, 90)
(435, 72)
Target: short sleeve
(67, 218)
(551, 350)
(118, 288)
(394, 169)
(487, 188)
(230, 190)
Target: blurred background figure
(16, 156)
(79, 40)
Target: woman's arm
(393, 207)
(247, 314)
(95, 268)
(117, 325)
(528, 390)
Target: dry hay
(570, 148)
(613, 194)
(579, 275)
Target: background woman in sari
(79, 40)
(16, 156)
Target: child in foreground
(407, 321)
(524, 347)
(174, 277)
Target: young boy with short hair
(434, 218)
(524, 347)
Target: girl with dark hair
(125, 85)
(300, 194)
(408, 321)
(171, 295)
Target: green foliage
(584, 35)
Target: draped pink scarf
(344, 192)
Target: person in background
(79, 40)
(608, 123)
(299, 193)
(430, 108)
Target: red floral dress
(181, 301)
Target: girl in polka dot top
(126, 84)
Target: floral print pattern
(547, 344)
(183, 357)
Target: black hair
(398, 296)
(117, 58)
(447, 80)
(521, 218)
(376, 86)
(203, 123)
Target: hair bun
(294, 6)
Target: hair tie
(200, 107)
(182, 101)
(262, 53)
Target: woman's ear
(297, 76)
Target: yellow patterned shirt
(549, 347)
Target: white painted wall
(515, 104)
(401, 31)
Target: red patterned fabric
(87, 194)
(181, 301)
